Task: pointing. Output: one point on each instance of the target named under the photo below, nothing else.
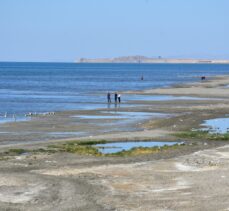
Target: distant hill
(143, 59)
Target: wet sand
(191, 178)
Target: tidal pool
(109, 148)
(219, 125)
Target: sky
(66, 30)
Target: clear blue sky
(63, 30)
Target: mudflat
(191, 177)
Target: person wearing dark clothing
(203, 78)
(116, 97)
(119, 98)
(109, 97)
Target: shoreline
(41, 180)
(144, 105)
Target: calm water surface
(218, 125)
(43, 87)
(110, 148)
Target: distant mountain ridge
(143, 59)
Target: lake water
(109, 148)
(163, 98)
(218, 125)
(43, 87)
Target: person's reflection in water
(117, 105)
(108, 105)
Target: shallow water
(115, 147)
(13, 119)
(98, 117)
(119, 119)
(163, 98)
(126, 114)
(219, 125)
(137, 116)
(122, 115)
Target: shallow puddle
(219, 125)
(109, 148)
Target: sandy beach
(193, 177)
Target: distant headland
(143, 59)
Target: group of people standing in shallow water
(117, 97)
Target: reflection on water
(219, 125)
(111, 121)
(127, 116)
(164, 98)
(110, 148)
(98, 117)
(13, 119)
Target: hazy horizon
(64, 31)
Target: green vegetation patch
(79, 147)
(203, 135)
(87, 148)
(145, 150)
(92, 142)
(16, 151)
